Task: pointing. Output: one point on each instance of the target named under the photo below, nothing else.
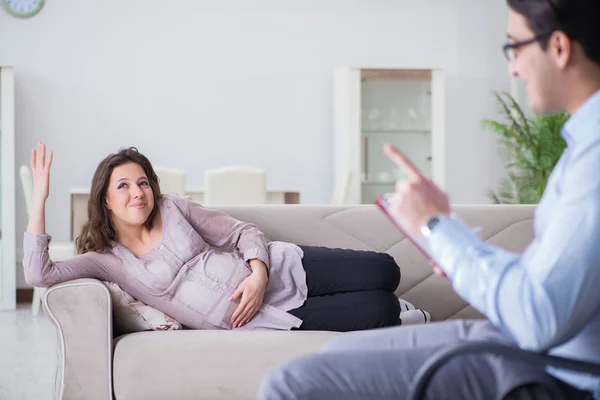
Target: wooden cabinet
(7, 190)
(374, 106)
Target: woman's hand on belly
(252, 291)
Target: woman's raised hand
(40, 169)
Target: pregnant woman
(203, 267)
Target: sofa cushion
(204, 364)
(365, 227)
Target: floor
(27, 355)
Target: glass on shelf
(413, 117)
(392, 119)
(384, 178)
(372, 119)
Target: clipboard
(384, 204)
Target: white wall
(198, 83)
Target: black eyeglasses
(509, 48)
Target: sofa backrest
(364, 227)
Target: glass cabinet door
(374, 106)
(395, 109)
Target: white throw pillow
(131, 315)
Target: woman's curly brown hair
(98, 232)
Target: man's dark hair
(578, 19)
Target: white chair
(235, 185)
(172, 180)
(58, 250)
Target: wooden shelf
(395, 131)
(395, 74)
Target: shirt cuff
(448, 243)
(259, 253)
(33, 242)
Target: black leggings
(348, 290)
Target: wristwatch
(430, 225)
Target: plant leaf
(532, 146)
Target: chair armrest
(82, 312)
(426, 372)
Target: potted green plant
(532, 147)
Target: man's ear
(561, 49)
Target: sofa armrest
(82, 312)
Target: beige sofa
(229, 365)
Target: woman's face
(129, 197)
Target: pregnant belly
(222, 267)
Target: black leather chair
(426, 372)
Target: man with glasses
(547, 299)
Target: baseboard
(24, 295)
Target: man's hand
(252, 291)
(438, 271)
(417, 198)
